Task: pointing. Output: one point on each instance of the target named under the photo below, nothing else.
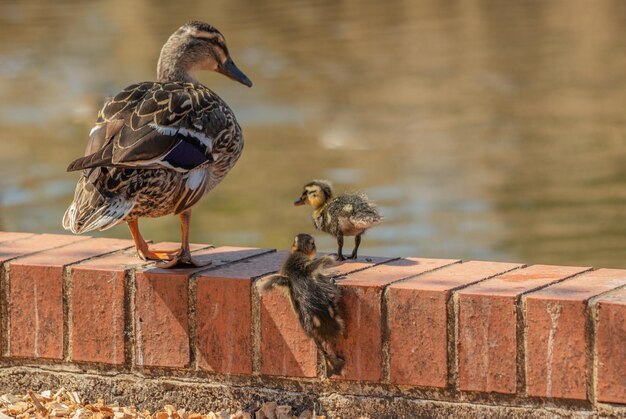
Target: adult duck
(158, 147)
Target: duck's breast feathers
(179, 126)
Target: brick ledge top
(440, 324)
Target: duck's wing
(156, 125)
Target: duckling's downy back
(315, 299)
(348, 214)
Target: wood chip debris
(68, 404)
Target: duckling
(350, 214)
(313, 296)
(158, 147)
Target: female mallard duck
(313, 296)
(158, 147)
(349, 214)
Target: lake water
(484, 129)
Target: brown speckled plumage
(158, 147)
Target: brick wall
(489, 333)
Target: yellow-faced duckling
(158, 146)
(350, 214)
(313, 296)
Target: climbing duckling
(350, 214)
(313, 296)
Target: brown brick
(8, 236)
(362, 305)
(418, 322)
(36, 296)
(162, 303)
(224, 313)
(37, 243)
(611, 347)
(556, 360)
(487, 326)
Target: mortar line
(192, 314)
(255, 320)
(4, 310)
(129, 317)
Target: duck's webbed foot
(183, 259)
(147, 254)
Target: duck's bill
(298, 202)
(230, 70)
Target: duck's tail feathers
(90, 210)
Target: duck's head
(304, 243)
(315, 193)
(197, 46)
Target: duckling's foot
(340, 257)
(334, 364)
(183, 259)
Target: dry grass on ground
(68, 404)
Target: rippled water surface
(485, 130)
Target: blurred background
(484, 129)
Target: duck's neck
(172, 65)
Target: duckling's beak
(229, 69)
(298, 202)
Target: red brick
(556, 360)
(161, 323)
(33, 244)
(97, 314)
(418, 321)
(487, 326)
(161, 303)
(362, 305)
(36, 296)
(285, 349)
(224, 314)
(611, 347)
(353, 265)
(7, 236)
